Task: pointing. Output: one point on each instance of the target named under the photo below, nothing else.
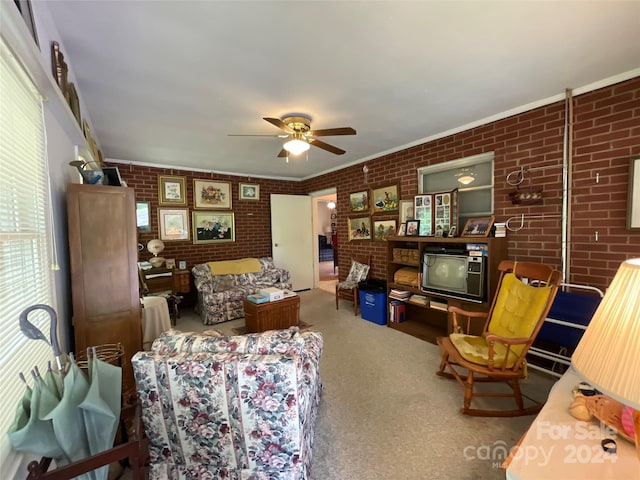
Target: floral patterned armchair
(220, 296)
(230, 407)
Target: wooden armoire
(103, 250)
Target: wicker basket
(108, 352)
(406, 255)
(609, 412)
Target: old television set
(454, 274)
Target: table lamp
(608, 355)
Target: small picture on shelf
(413, 228)
(478, 227)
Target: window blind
(25, 260)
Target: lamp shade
(608, 355)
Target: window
(472, 176)
(25, 260)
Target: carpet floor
(384, 413)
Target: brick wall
(252, 218)
(606, 133)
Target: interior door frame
(315, 199)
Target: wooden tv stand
(423, 321)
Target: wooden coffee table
(275, 315)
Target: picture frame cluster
(211, 220)
(379, 213)
(369, 211)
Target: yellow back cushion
(518, 308)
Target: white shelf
(16, 34)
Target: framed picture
(24, 6)
(74, 103)
(423, 211)
(143, 216)
(173, 223)
(359, 201)
(633, 202)
(442, 212)
(402, 231)
(170, 263)
(385, 199)
(249, 191)
(212, 194)
(413, 228)
(477, 227)
(59, 68)
(172, 190)
(360, 228)
(112, 176)
(406, 210)
(213, 227)
(383, 229)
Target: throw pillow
(357, 273)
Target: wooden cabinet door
(104, 278)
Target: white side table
(155, 319)
(559, 446)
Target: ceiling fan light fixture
(296, 145)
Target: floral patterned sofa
(222, 286)
(230, 407)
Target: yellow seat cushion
(235, 267)
(475, 349)
(517, 311)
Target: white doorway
(324, 224)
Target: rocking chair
(523, 298)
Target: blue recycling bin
(373, 301)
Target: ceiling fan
(301, 137)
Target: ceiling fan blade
(278, 123)
(333, 131)
(249, 135)
(326, 146)
(283, 153)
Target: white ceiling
(165, 82)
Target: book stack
(399, 294)
(436, 305)
(258, 298)
(477, 249)
(419, 300)
(501, 229)
(396, 311)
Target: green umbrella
(101, 408)
(67, 418)
(29, 431)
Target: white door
(292, 238)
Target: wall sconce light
(331, 205)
